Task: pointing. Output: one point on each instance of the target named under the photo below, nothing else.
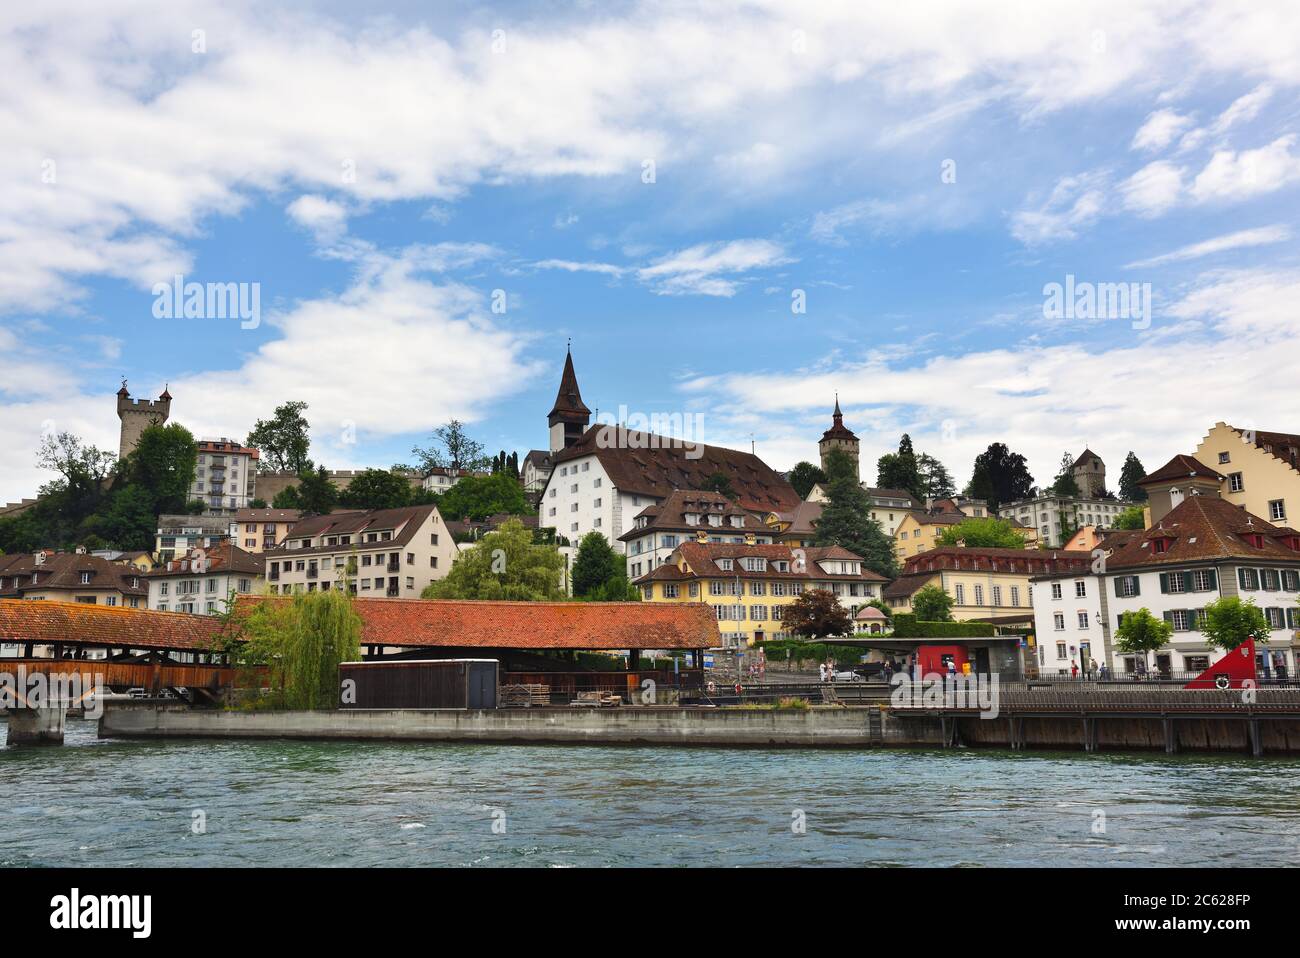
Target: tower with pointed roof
(1090, 474)
(137, 415)
(839, 436)
(568, 418)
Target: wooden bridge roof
(428, 623)
(75, 623)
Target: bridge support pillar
(1256, 742)
(40, 726)
(1171, 736)
(1089, 735)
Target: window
(1083, 620)
(1203, 581)
(85, 578)
(1277, 510)
(1276, 618)
(410, 558)
(1248, 579)
(1056, 590)
(670, 590)
(758, 588)
(1271, 581)
(1181, 619)
(758, 613)
(433, 562)
(1080, 589)
(979, 595)
(717, 588)
(1235, 482)
(997, 595)
(1015, 595)
(1223, 458)
(961, 594)
(1176, 582)
(1126, 586)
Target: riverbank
(814, 727)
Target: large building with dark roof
(604, 476)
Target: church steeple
(569, 416)
(839, 436)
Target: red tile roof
(62, 571)
(702, 559)
(45, 622)
(1181, 467)
(221, 559)
(424, 623)
(1201, 528)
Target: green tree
(477, 497)
(163, 464)
(302, 640)
(1000, 476)
(936, 481)
(595, 565)
(1131, 518)
(817, 613)
(1065, 484)
(129, 522)
(85, 469)
(313, 494)
(504, 565)
(1229, 622)
(987, 533)
(1141, 632)
(846, 518)
(720, 483)
(901, 470)
(376, 489)
(804, 476)
(284, 440)
(1129, 476)
(932, 604)
(452, 448)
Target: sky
(734, 211)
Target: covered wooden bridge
(538, 643)
(115, 648)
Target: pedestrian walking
(1074, 670)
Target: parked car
(849, 677)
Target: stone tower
(839, 437)
(1090, 474)
(569, 417)
(137, 415)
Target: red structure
(934, 658)
(1230, 672)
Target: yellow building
(920, 531)
(750, 585)
(1260, 470)
(260, 530)
(984, 583)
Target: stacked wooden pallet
(525, 695)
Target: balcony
(274, 575)
(312, 572)
(394, 565)
(393, 592)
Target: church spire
(569, 416)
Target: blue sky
(917, 177)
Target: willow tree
(301, 641)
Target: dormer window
(738, 521)
(1161, 545)
(692, 519)
(725, 565)
(715, 520)
(85, 578)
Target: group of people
(1101, 671)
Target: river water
(206, 803)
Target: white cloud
(1234, 175)
(397, 352)
(1243, 109)
(1075, 202)
(1159, 129)
(706, 269)
(1153, 189)
(324, 217)
(711, 269)
(1241, 239)
(149, 140)
(1150, 394)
